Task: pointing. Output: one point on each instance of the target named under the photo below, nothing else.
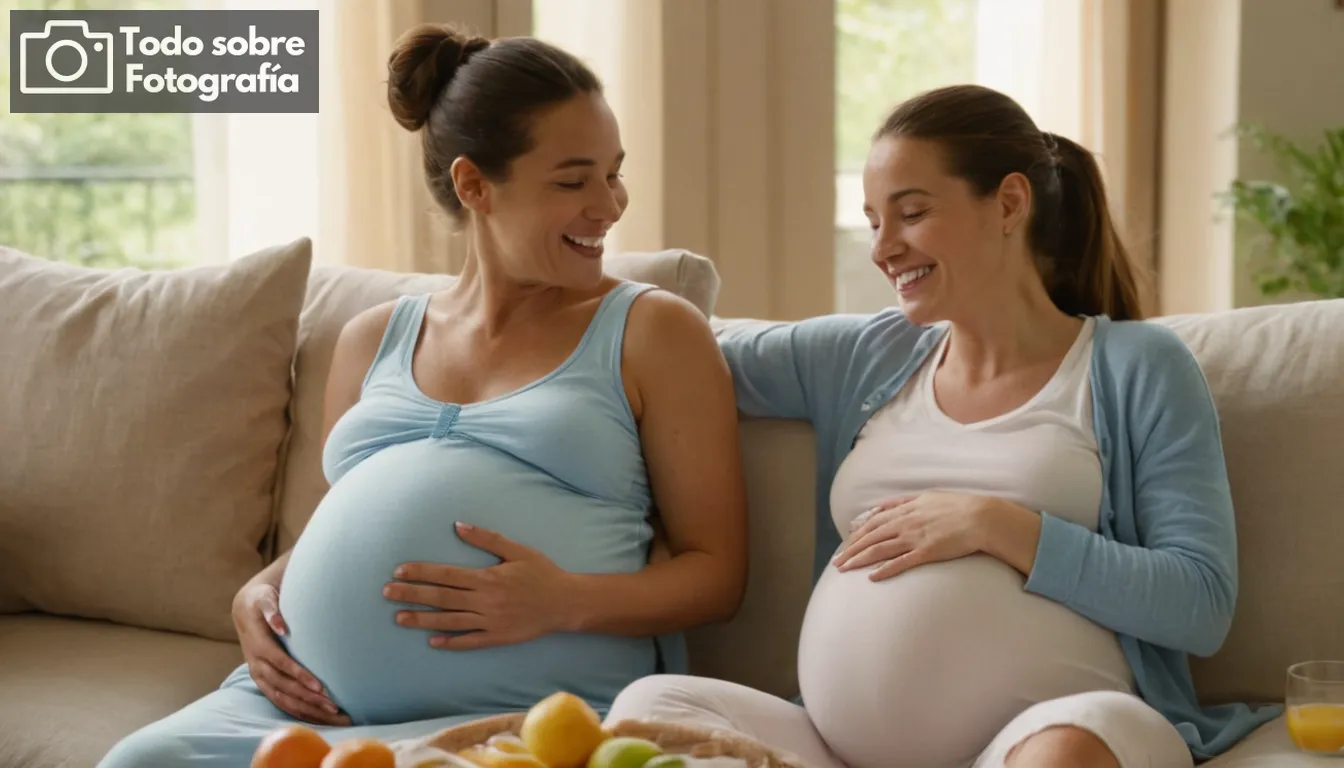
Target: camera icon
(38, 67)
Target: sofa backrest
(1277, 377)
(337, 294)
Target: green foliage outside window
(890, 50)
(1302, 215)
(103, 190)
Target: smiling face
(943, 248)
(546, 221)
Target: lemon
(561, 731)
(624, 752)
(507, 742)
(492, 757)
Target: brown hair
(985, 136)
(476, 98)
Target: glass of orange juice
(1315, 704)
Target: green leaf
(1301, 212)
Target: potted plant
(1303, 215)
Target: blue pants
(223, 729)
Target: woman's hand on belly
(520, 599)
(930, 527)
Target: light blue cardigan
(1162, 572)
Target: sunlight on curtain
(593, 30)
(256, 174)
(1032, 50)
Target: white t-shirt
(925, 668)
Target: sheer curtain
(256, 174)
(348, 177)
(1089, 70)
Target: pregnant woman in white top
(1024, 519)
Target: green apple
(624, 752)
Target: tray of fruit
(561, 731)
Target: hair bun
(421, 65)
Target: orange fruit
(294, 746)
(562, 730)
(360, 753)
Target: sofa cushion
(759, 647)
(1277, 377)
(144, 413)
(336, 294)
(1269, 746)
(73, 687)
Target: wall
(1292, 80)
(1230, 61)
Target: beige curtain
(1121, 104)
(374, 208)
(1089, 70)
(726, 110)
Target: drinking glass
(1315, 704)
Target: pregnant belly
(400, 505)
(925, 668)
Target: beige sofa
(162, 442)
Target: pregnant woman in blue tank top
(494, 450)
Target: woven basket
(673, 738)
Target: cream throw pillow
(142, 416)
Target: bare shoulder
(662, 316)
(356, 346)
(362, 334)
(670, 349)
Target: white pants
(1136, 733)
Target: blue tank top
(555, 465)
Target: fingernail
(387, 591)
(437, 641)
(316, 686)
(403, 618)
(400, 573)
(464, 527)
(332, 709)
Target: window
(886, 51)
(101, 190)
(154, 191)
(889, 50)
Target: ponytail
(1090, 272)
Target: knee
(655, 697)
(146, 748)
(1062, 746)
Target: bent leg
(1099, 728)
(223, 729)
(220, 729)
(721, 705)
